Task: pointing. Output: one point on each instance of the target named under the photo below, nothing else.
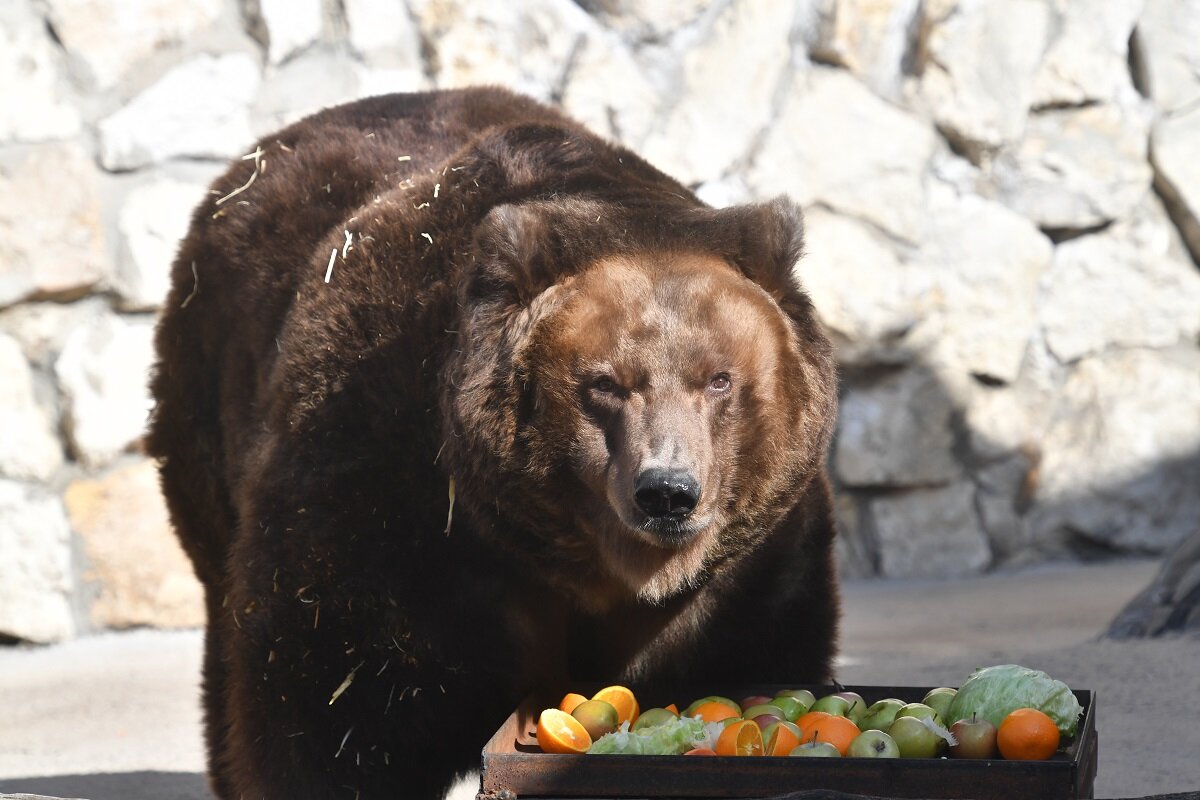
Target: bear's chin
(649, 568)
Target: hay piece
(258, 162)
(345, 738)
(345, 684)
(329, 269)
(195, 287)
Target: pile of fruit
(1004, 711)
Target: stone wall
(1003, 203)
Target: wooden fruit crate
(515, 767)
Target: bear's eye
(606, 386)
(719, 383)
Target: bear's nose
(671, 493)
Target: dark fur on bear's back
(361, 638)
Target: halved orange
(805, 721)
(622, 700)
(714, 712)
(782, 738)
(570, 702)
(838, 731)
(559, 732)
(741, 739)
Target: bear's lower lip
(671, 532)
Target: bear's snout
(666, 493)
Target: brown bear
(456, 400)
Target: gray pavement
(117, 715)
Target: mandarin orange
(837, 731)
(714, 712)
(622, 700)
(742, 738)
(570, 702)
(1027, 734)
(559, 732)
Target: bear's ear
(515, 255)
(770, 240)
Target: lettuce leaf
(995, 692)
(673, 737)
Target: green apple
(880, 715)
(918, 710)
(790, 706)
(653, 716)
(914, 739)
(873, 744)
(939, 700)
(803, 695)
(976, 738)
(597, 717)
(858, 706)
(832, 704)
(816, 749)
(764, 708)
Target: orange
(701, 751)
(781, 741)
(713, 711)
(807, 719)
(622, 700)
(570, 702)
(559, 732)
(838, 731)
(671, 707)
(1027, 735)
(741, 739)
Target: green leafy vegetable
(995, 692)
(673, 737)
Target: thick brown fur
(407, 489)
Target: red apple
(976, 738)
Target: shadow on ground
(115, 786)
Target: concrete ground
(117, 716)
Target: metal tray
(514, 766)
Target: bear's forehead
(668, 305)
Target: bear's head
(639, 393)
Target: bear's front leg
(360, 661)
